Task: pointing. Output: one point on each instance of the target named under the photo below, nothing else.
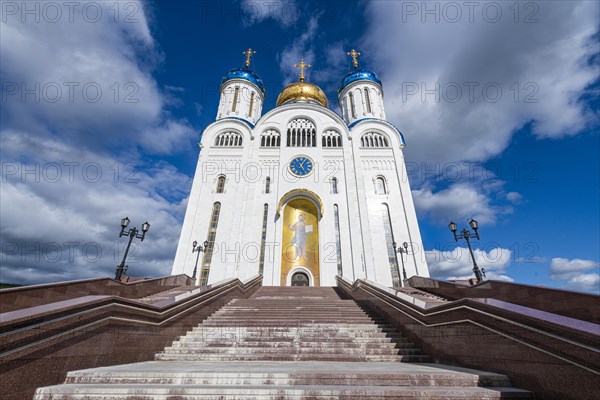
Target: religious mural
(300, 239)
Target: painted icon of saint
(300, 230)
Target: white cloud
(514, 197)
(564, 269)
(548, 59)
(577, 273)
(83, 80)
(167, 138)
(329, 73)
(457, 263)
(285, 12)
(459, 202)
(585, 283)
(301, 48)
(60, 213)
(76, 162)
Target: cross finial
(354, 54)
(248, 53)
(302, 65)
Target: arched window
(251, 104)
(221, 184)
(236, 94)
(301, 132)
(263, 238)
(268, 185)
(380, 185)
(338, 239)
(367, 100)
(345, 109)
(229, 139)
(389, 240)
(208, 252)
(270, 138)
(331, 138)
(352, 107)
(374, 139)
(334, 185)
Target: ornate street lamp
(132, 233)
(403, 249)
(198, 249)
(467, 235)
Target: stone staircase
(305, 324)
(286, 343)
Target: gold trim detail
(306, 193)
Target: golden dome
(302, 91)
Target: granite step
(217, 342)
(247, 392)
(295, 357)
(322, 373)
(292, 343)
(298, 323)
(246, 350)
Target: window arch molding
(220, 183)
(301, 131)
(352, 104)
(380, 184)
(301, 116)
(334, 185)
(210, 238)
(229, 138)
(374, 138)
(389, 242)
(331, 138)
(270, 137)
(367, 100)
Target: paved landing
(186, 367)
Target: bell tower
(360, 93)
(242, 93)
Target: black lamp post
(132, 233)
(403, 249)
(198, 249)
(467, 235)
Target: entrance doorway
(300, 279)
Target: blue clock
(301, 166)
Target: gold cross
(248, 53)
(302, 65)
(354, 54)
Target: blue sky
(498, 104)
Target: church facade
(299, 193)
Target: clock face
(301, 166)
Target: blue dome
(245, 74)
(358, 75)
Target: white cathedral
(301, 194)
